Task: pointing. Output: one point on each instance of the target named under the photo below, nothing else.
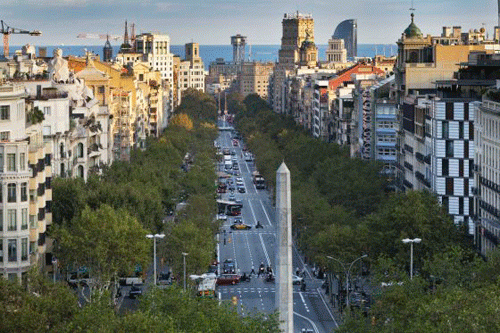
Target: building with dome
(308, 53)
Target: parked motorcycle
(270, 278)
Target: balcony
(489, 208)
(489, 184)
(422, 179)
(408, 166)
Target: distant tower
(132, 36)
(107, 51)
(348, 31)
(238, 42)
(125, 47)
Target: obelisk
(284, 269)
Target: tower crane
(6, 31)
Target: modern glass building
(348, 31)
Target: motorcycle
(270, 278)
(258, 225)
(245, 278)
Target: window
(46, 110)
(1, 251)
(22, 162)
(4, 112)
(12, 250)
(4, 136)
(449, 186)
(11, 220)
(79, 150)
(32, 221)
(24, 249)
(1, 220)
(102, 89)
(62, 169)
(11, 192)
(24, 192)
(1, 161)
(81, 173)
(461, 130)
(446, 167)
(11, 162)
(24, 218)
(446, 129)
(449, 148)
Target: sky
(212, 22)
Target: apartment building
(254, 78)
(25, 187)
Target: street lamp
(184, 254)
(347, 273)
(154, 237)
(411, 241)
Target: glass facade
(348, 31)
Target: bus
(258, 180)
(205, 284)
(229, 208)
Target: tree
(182, 120)
(106, 241)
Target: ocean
(211, 52)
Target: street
(253, 247)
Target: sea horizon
(209, 53)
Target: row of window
(12, 250)
(12, 220)
(12, 166)
(12, 192)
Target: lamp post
(347, 273)
(184, 254)
(154, 237)
(411, 241)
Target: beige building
(191, 71)
(336, 51)
(254, 78)
(297, 28)
(423, 60)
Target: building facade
(254, 78)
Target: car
(233, 152)
(231, 187)
(226, 151)
(237, 220)
(225, 279)
(134, 292)
(239, 183)
(221, 217)
(242, 189)
(236, 167)
(164, 278)
(239, 179)
(228, 267)
(232, 197)
(297, 279)
(240, 226)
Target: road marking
(327, 307)
(265, 250)
(304, 301)
(249, 251)
(265, 212)
(251, 208)
(309, 320)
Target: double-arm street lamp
(347, 272)
(411, 241)
(154, 237)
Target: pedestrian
(252, 271)
(297, 271)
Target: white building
(487, 175)
(156, 51)
(191, 70)
(336, 51)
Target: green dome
(412, 30)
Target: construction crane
(6, 31)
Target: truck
(258, 180)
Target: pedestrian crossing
(242, 290)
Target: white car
(297, 279)
(221, 217)
(239, 179)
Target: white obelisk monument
(284, 269)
